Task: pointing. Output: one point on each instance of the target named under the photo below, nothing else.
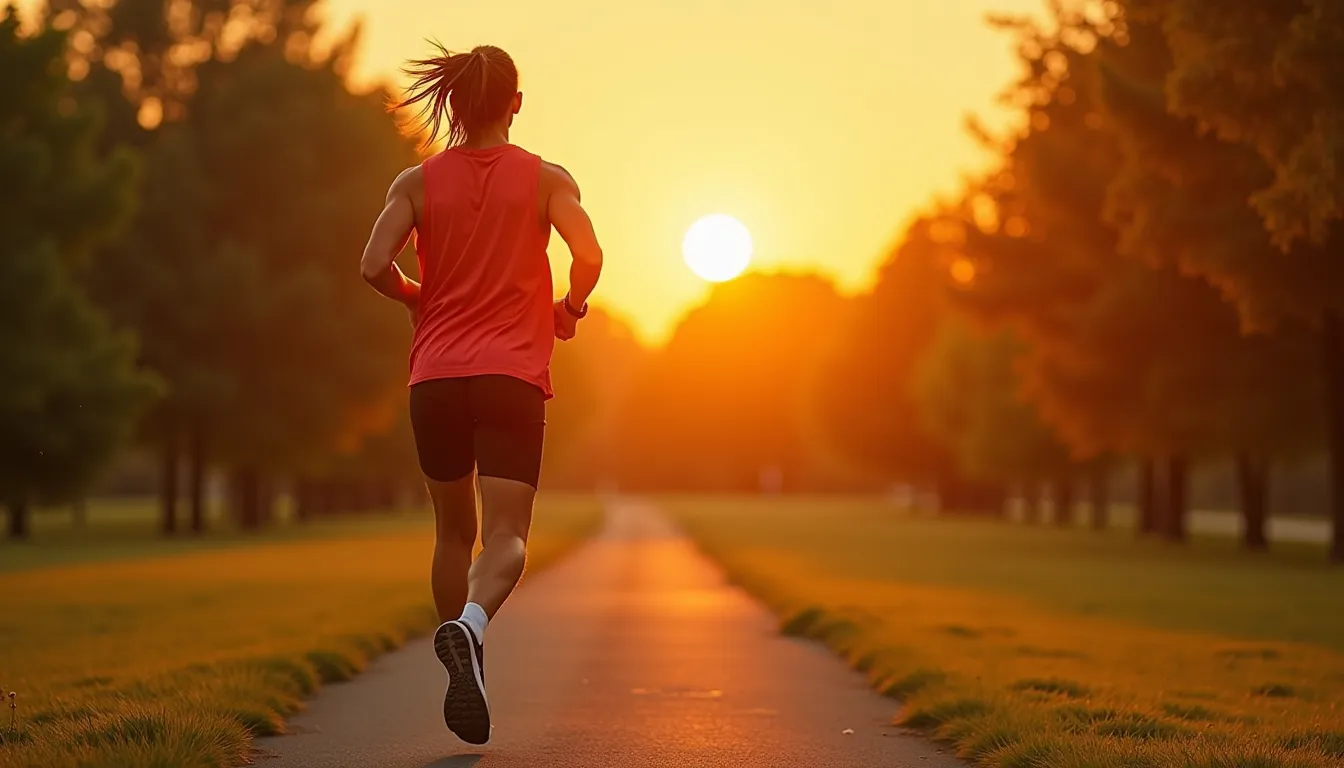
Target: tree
(1125, 356)
(1264, 75)
(154, 50)
(164, 280)
(967, 388)
(866, 399)
(1180, 198)
(372, 466)
(1039, 256)
(726, 405)
(237, 272)
(310, 348)
(69, 392)
(593, 376)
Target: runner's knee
(457, 537)
(456, 530)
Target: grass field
(176, 658)
(1056, 649)
(128, 528)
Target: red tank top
(485, 281)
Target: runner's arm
(571, 221)
(389, 236)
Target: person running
(486, 319)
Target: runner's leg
(510, 427)
(441, 418)
(443, 423)
(454, 537)
(506, 516)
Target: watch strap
(580, 312)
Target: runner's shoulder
(411, 176)
(555, 177)
(408, 182)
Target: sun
(717, 248)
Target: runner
(485, 319)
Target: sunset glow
(828, 127)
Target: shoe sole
(465, 710)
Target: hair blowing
(471, 90)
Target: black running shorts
(493, 423)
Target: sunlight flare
(717, 247)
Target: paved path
(632, 653)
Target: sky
(822, 126)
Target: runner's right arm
(390, 234)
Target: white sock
(474, 616)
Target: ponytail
(471, 90)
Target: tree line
(184, 208)
(187, 187)
(1161, 240)
(1148, 278)
(1145, 279)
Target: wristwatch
(580, 313)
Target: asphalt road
(632, 653)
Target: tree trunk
(246, 497)
(306, 499)
(18, 519)
(265, 498)
(1099, 493)
(359, 497)
(168, 490)
(342, 498)
(1253, 487)
(196, 478)
(1333, 338)
(1147, 501)
(325, 499)
(333, 498)
(964, 497)
(387, 496)
(1063, 503)
(303, 500)
(413, 495)
(1177, 507)
(1031, 504)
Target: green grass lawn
(128, 528)
(177, 654)
(1041, 648)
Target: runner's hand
(411, 300)
(566, 325)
